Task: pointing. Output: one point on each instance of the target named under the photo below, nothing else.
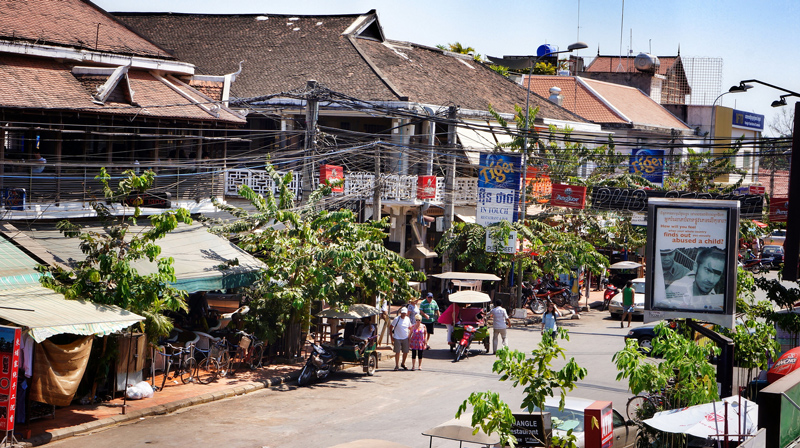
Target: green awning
(201, 258)
(24, 302)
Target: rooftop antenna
(621, 31)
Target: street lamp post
(792, 243)
(532, 62)
(735, 89)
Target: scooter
(319, 364)
(466, 340)
(609, 294)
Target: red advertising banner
(9, 368)
(539, 184)
(330, 174)
(426, 187)
(571, 196)
(598, 424)
(757, 189)
(778, 209)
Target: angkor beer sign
(572, 196)
(778, 209)
(632, 200)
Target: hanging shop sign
(778, 209)
(539, 184)
(329, 174)
(498, 188)
(12, 198)
(532, 429)
(635, 200)
(426, 187)
(148, 199)
(648, 163)
(9, 369)
(572, 196)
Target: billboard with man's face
(692, 251)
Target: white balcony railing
(396, 188)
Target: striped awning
(24, 302)
(47, 313)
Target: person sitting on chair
(364, 331)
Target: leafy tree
(502, 70)
(312, 255)
(456, 48)
(782, 123)
(698, 171)
(107, 276)
(544, 68)
(785, 298)
(492, 415)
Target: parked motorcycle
(609, 294)
(465, 341)
(319, 364)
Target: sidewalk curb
(162, 409)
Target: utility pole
(792, 243)
(376, 192)
(312, 113)
(450, 180)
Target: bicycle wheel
(459, 352)
(640, 408)
(188, 370)
(207, 370)
(256, 356)
(224, 361)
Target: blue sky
(756, 40)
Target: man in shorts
(401, 330)
(429, 310)
(627, 303)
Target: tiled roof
(607, 103)
(616, 64)
(71, 23)
(577, 98)
(634, 104)
(36, 83)
(427, 75)
(282, 52)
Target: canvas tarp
(58, 369)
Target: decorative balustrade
(396, 188)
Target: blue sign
(498, 188)
(648, 163)
(499, 171)
(748, 120)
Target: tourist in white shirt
(401, 328)
(500, 323)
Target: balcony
(396, 188)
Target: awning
(481, 139)
(202, 259)
(24, 302)
(466, 276)
(47, 313)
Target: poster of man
(691, 267)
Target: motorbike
(348, 350)
(465, 341)
(318, 366)
(609, 294)
(757, 265)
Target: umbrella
(706, 420)
(461, 429)
(469, 297)
(356, 311)
(466, 276)
(370, 443)
(785, 365)
(625, 265)
(759, 224)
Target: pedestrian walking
(429, 310)
(500, 323)
(549, 325)
(401, 328)
(412, 309)
(417, 342)
(627, 303)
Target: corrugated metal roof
(24, 302)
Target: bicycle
(180, 357)
(644, 406)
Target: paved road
(396, 406)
